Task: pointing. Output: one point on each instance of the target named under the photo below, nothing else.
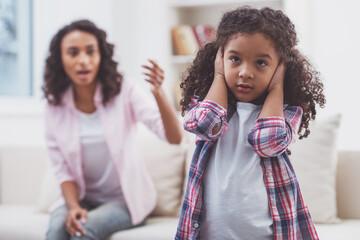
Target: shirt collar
(68, 97)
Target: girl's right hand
(277, 80)
(73, 226)
(219, 65)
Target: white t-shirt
(101, 177)
(235, 201)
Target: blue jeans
(102, 221)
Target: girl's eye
(72, 53)
(235, 59)
(261, 63)
(90, 51)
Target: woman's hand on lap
(73, 218)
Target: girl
(247, 95)
(91, 119)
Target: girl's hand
(73, 226)
(277, 80)
(219, 65)
(155, 77)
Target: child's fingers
(280, 72)
(277, 79)
(219, 63)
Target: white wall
(327, 31)
(136, 28)
(140, 29)
(329, 35)
(21, 120)
(336, 49)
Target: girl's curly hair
(302, 85)
(55, 79)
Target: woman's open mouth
(83, 74)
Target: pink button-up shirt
(118, 118)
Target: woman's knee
(57, 226)
(57, 230)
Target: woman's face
(250, 61)
(80, 57)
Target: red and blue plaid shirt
(270, 137)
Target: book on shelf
(187, 40)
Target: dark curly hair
(55, 79)
(302, 85)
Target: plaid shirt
(269, 138)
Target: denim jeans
(102, 221)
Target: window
(15, 48)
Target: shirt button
(196, 225)
(273, 203)
(268, 174)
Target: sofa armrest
(348, 179)
(21, 173)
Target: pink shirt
(119, 118)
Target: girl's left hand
(277, 80)
(155, 76)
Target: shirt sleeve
(203, 117)
(271, 136)
(58, 163)
(145, 109)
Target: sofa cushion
(155, 228)
(21, 172)
(18, 222)
(348, 190)
(166, 164)
(315, 161)
(344, 230)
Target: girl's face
(80, 57)
(250, 61)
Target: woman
(91, 119)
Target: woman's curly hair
(302, 85)
(55, 79)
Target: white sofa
(26, 188)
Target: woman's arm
(70, 192)
(171, 124)
(64, 177)
(76, 212)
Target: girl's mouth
(243, 87)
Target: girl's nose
(246, 73)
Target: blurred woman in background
(91, 117)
